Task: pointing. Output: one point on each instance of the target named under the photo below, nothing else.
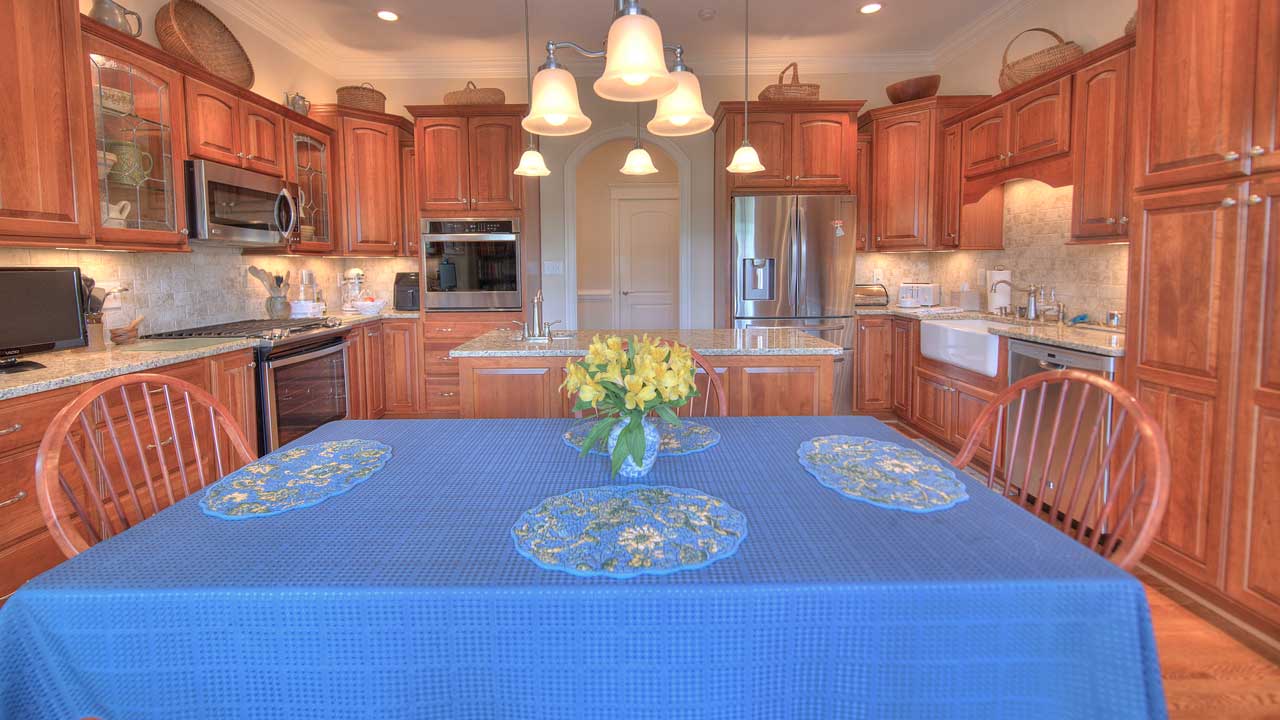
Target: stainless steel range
(301, 373)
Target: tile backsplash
(208, 285)
(1037, 225)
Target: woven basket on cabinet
(362, 97)
(1037, 63)
(472, 95)
(187, 29)
(794, 90)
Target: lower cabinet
(946, 409)
(233, 382)
(442, 332)
(375, 369)
(402, 376)
(904, 364)
(874, 377)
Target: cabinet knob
(1111, 221)
(1257, 150)
(788, 178)
(1124, 219)
(240, 155)
(1255, 199)
(252, 365)
(448, 394)
(1231, 156)
(1228, 202)
(185, 231)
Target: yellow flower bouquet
(624, 382)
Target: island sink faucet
(1030, 290)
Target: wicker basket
(187, 29)
(472, 95)
(1037, 63)
(362, 97)
(794, 90)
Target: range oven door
(231, 206)
(303, 389)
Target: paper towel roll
(1001, 296)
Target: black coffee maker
(406, 291)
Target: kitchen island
(764, 372)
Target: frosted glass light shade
(532, 164)
(638, 163)
(554, 108)
(745, 160)
(635, 69)
(681, 112)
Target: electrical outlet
(552, 267)
(117, 289)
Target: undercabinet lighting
(870, 8)
(392, 17)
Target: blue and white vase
(652, 441)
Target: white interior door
(647, 236)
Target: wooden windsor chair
(127, 448)
(712, 400)
(1108, 488)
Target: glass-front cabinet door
(135, 110)
(310, 169)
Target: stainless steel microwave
(231, 206)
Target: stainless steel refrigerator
(793, 262)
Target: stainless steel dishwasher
(1027, 358)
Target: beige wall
(275, 68)
(1037, 225)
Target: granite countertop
(1092, 339)
(65, 368)
(501, 343)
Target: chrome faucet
(1031, 290)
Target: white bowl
(369, 307)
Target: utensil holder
(278, 307)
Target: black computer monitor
(41, 309)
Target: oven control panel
(470, 227)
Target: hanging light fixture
(681, 113)
(635, 62)
(745, 159)
(531, 162)
(638, 160)
(635, 71)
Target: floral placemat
(881, 473)
(295, 478)
(684, 439)
(621, 531)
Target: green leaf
(635, 440)
(619, 455)
(598, 431)
(666, 413)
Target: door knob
(626, 292)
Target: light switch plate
(877, 275)
(552, 267)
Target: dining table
(407, 597)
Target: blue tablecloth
(405, 598)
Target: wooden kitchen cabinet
(905, 156)
(952, 186)
(1032, 125)
(233, 381)
(1195, 81)
(804, 147)
(310, 165)
(874, 380)
(48, 171)
(403, 378)
(375, 371)
(410, 237)
(1264, 151)
(466, 158)
(225, 129)
(905, 346)
(863, 189)
(931, 404)
(986, 141)
(1100, 199)
(357, 374)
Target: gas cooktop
(265, 329)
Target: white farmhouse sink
(964, 343)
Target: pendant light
(681, 113)
(745, 159)
(635, 67)
(638, 160)
(531, 162)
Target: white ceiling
(484, 38)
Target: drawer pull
(163, 443)
(448, 394)
(443, 357)
(22, 495)
(11, 429)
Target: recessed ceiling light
(870, 8)
(706, 14)
(392, 17)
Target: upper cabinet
(1099, 208)
(136, 114)
(225, 129)
(466, 158)
(804, 147)
(309, 165)
(47, 171)
(863, 179)
(1265, 150)
(1031, 126)
(1197, 71)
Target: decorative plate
(881, 473)
(621, 531)
(690, 437)
(295, 478)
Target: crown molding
(262, 16)
(970, 34)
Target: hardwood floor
(1207, 672)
